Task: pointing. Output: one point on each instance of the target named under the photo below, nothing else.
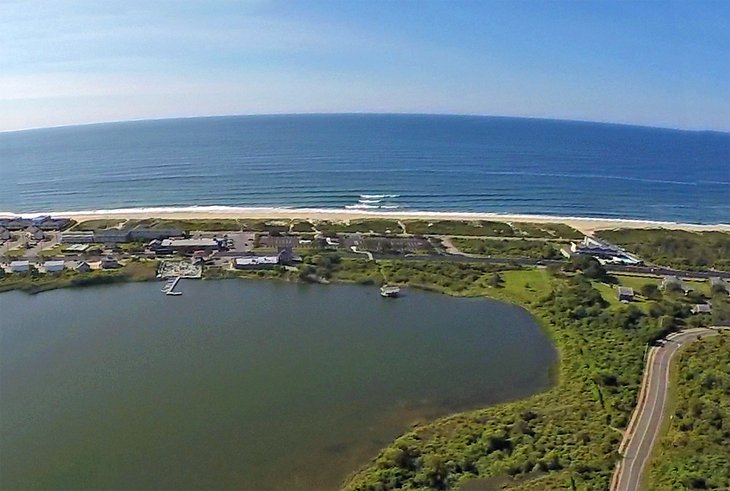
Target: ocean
(371, 162)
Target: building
(20, 266)
(108, 262)
(15, 224)
(189, 246)
(35, 233)
(40, 219)
(78, 248)
(286, 255)
(255, 262)
(604, 252)
(54, 224)
(701, 308)
(625, 294)
(717, 284)
(147, 234)
(54, 266)
(111, 236)
(77, 237)
(5, 234)
(83, 267)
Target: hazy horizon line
(366, 113)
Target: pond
(241, 384)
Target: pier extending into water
(169, 288)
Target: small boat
(389, 291)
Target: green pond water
(247, 385)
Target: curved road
(646, 421)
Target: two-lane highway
(647, 419)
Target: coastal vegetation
(694, 453)
(100, 224)
(456, 227)
(34, 282)
(679, 249)
(376, 225)
(547, 231)
(564, 438)
(515, 248)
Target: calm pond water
(241, 384)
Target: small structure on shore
(83, 267)
(54, 266)
(19, 266)
(701, 308)
(625, 294)
(109, 263)
(255, 262)
(718, 285)
(389, 291)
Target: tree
(651, 291)
(496, 281)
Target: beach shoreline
(586, 225)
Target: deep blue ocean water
(372, 162)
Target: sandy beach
(585, 225)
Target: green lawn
(100, 224)
(455, 227)
(534, 249)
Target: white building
(54, 266)
(255, 262)
(20, 266)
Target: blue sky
(653, 63)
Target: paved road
(647, 419)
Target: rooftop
(190, 243)
(256, 260)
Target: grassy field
(100, 224)
(547, 231)
(533, 249)
(675, 248)
(378, 226)
(694, 452)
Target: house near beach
(701, 308)
(625, 294)
(54, 266)
(108, 262)
(35, 233)
(83, 267)
(718, 284)
(20, 266)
